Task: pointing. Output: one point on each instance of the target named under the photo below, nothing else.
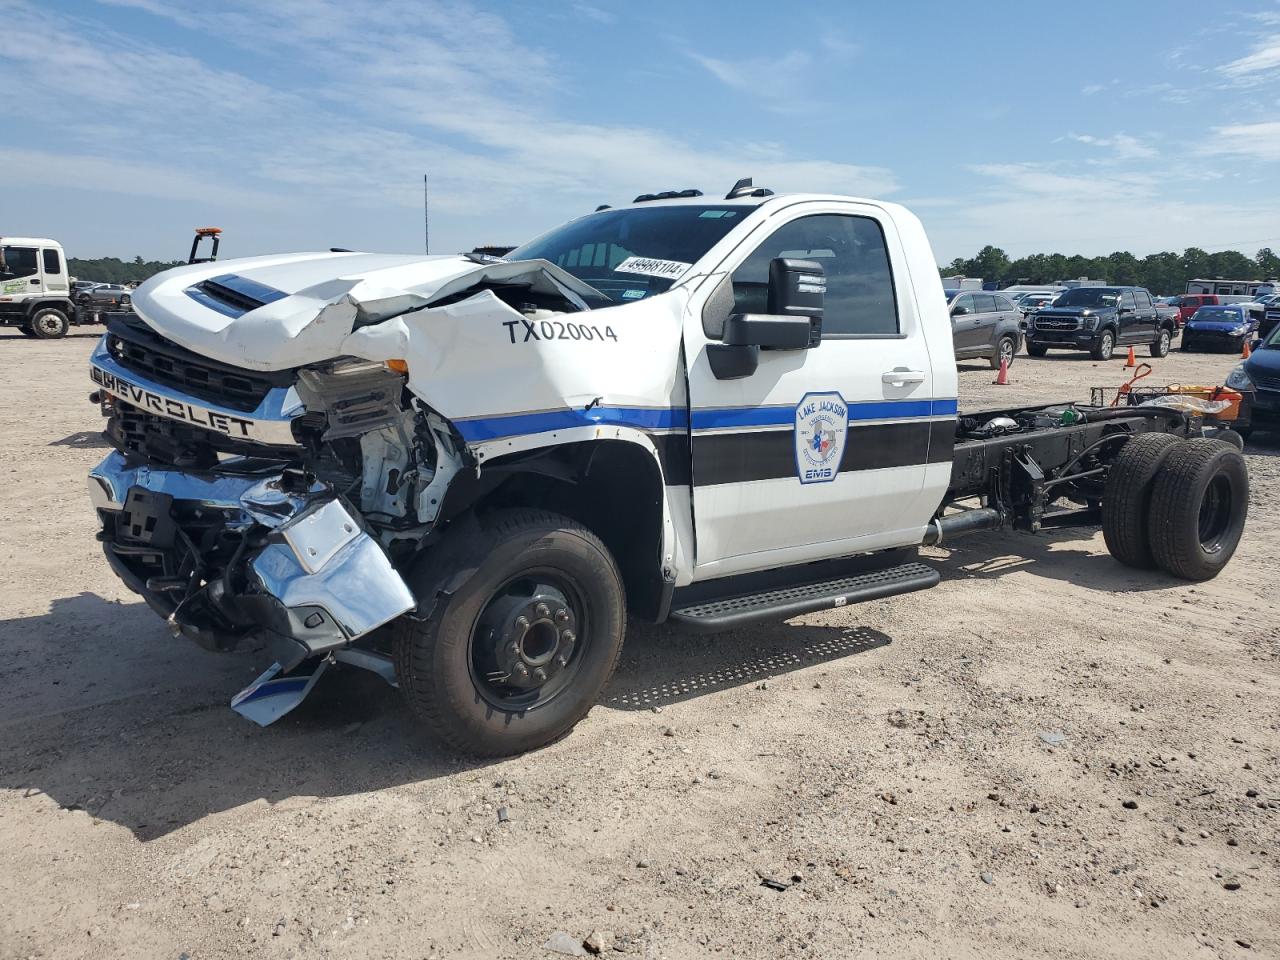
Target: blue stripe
(479, 429)
(273, 687)
(642, 418)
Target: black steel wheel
(1198, 508)
(522, 616)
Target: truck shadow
(993, 555)
(107, 714)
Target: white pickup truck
(464, 472)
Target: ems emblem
(822, 425)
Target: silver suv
(984, 324)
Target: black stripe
(771, 454)
(673, 454)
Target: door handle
(896, 378)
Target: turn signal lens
(399, 366)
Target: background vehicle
(1189, 303)
(708, 411)
(1167, 311)
(1223, 326)
(1258, 378)
(984, 325)
(106, 295)
(1099, 319)
(1241, 289)
(35, 294)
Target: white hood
(276, 312)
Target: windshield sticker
(633, 294)
(717, 214)
(649, 267)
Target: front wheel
(49, 324)
(1006, 349)
(1160, 346)
(1105, 347)
(521, 634)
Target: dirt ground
(942, 774)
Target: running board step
(784, 602)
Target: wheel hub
(531, 638)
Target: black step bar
(781, 603)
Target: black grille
(142, 350)
(1267, 383)
(1057, 323)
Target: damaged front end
(268, 509)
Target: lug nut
(542, 610)
(521, 671)
(522, 622)
(513, 648)
(562, 615)
(568, 636)
(540, 675)
(562, 661)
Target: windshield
(1088, 297)
(634, 253)
(1218, 313)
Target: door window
(17, 262)
(963, 306)
(985, 302)
(860, 299)
(51, 261)
(1143, 299)
(1003, 303)
(1126, 300)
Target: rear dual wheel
(1176, 505)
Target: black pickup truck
(1099, 319)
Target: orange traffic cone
(1246, 353)
(1002, 378)
(1132, 361)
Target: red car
(1189, 303)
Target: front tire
(49, 324)
(1160, 346)
(522, 633)
(1035, 350)
(1198, 508)
(1105, 348)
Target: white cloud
(782, 83)
(1122, 145)
(1258, 141)
(1264, 58)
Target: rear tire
(1126, 504)
(1198, 509)
(1160, 346)
(1006, 349)
(26, 331)
(49, 324)
(1105, 348)
(1035, 350)
(460, 669)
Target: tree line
(1161, 273)
(115, 270)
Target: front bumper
(1074, 339)
(302, 573)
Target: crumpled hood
(276, 312)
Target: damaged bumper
(231, 555)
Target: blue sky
(304, 124)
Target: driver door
(820, 452)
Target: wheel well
(613, 487)
(62, 306)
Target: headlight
(1238, 378)
(1088, 323)
(1240, 330)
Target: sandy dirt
(884, 762)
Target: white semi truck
(465, 472)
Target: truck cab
(35, 292)
(464, 472)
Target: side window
(986, 302)
(1126, 300)
(963, 305)
(52, 263)
(1143, 299)
(17, 262)
(853, 253)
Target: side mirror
(1255, 344)
(959, 311)
(797, 289)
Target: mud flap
(271, 696)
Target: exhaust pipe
(970, 521)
